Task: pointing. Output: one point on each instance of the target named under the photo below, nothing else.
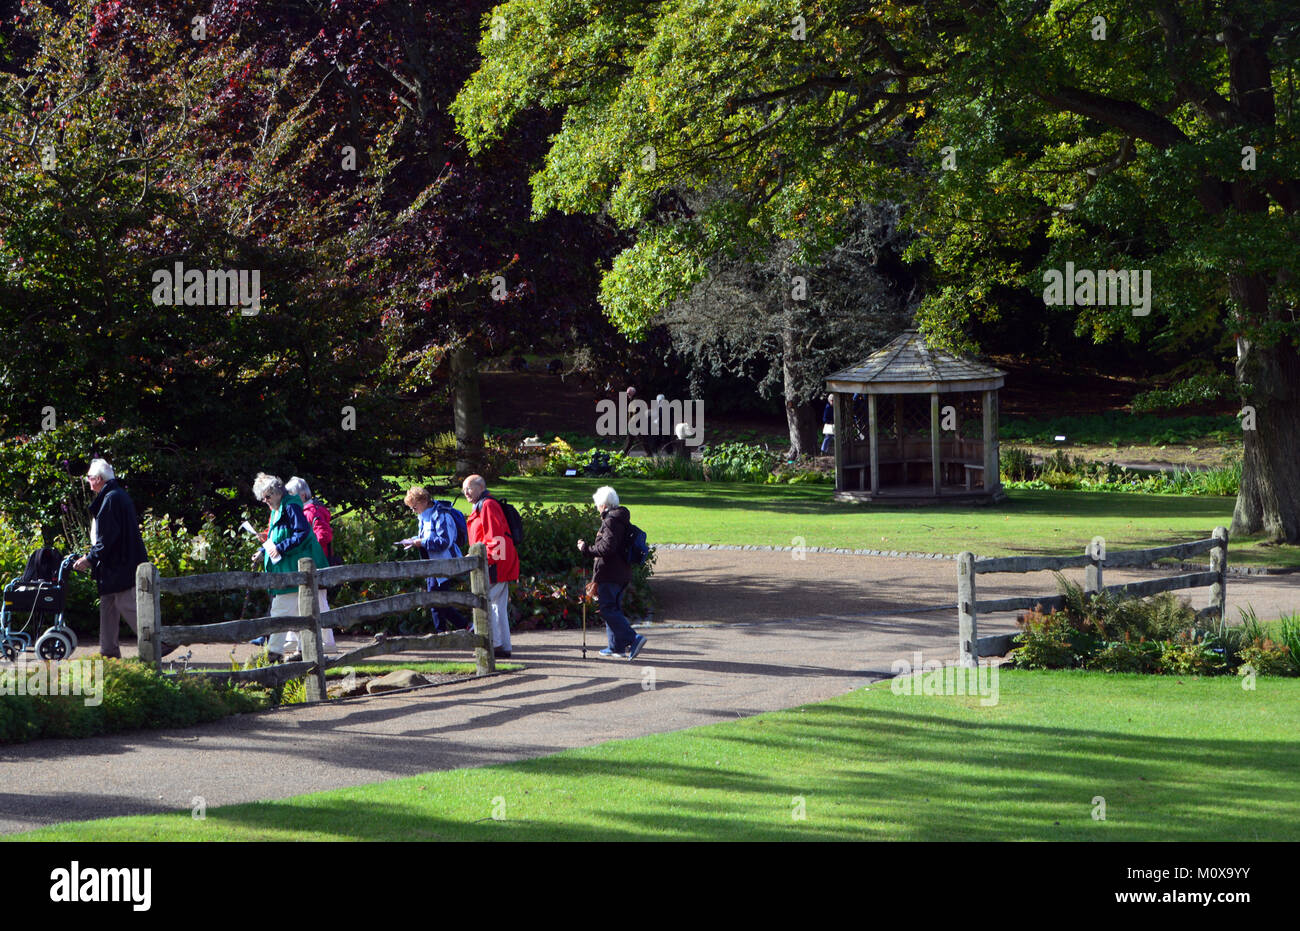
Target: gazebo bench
(863, 468)
(972, 467)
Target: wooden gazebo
(937, 437)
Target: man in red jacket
(487, 525)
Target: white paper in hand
(271, 551)
(247, 528)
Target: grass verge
(1174, 758)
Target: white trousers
(287, 641)
(499, 614)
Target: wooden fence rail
(309, 620)
(1093, 560)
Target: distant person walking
(612, 573)
(487, 525)
(116, 549)
(828, 423)
(629, 438)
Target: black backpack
(513, 520)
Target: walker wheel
(10, 651)
(70, 634)
(54, 644)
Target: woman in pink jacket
(319, 517)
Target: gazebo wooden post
(898, 428)
(934, 441)
(837, 410)
(875, 455)
(992, 459)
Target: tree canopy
(1153, 136)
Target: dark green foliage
(1049, 641)
(738, 462)
(133, 696)
(1190, 658)
(551, 535)
(1127, 656)
(1113, 634)
(1123, 429)
(1198, 389)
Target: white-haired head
(299, 487)
(100, 469)
(264, 484)
(605, 495)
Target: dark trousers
(610, 601)
(446, 616)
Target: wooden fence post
(313, 650)
(1096, 550)
(148, 613)
(478, 584)
(966, 631)
(1219, 564)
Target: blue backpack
(462, 529)
(637, 547)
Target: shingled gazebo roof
(908, 366)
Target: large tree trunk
(798, 416)
(468, 410)
(1269, 499)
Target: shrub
(1267, 658)
(1127, 656)
(1017, 465)
(1160, 617)
(551, 535)
(1190, 658)
(738, 462)
(134, 696)
(1288, 637)
(1049, 641)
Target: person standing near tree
(828, 424)
(487, 525)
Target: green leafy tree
(1151, 135)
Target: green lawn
(1174, 759)
(1045, 522)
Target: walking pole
(584, 612)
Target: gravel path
(813, 628)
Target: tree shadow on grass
(861, 773)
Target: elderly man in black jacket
(116, 549)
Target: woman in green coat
(289, 537)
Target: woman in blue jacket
(436, 538)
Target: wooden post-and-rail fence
(309, 620)
(1092, 561)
